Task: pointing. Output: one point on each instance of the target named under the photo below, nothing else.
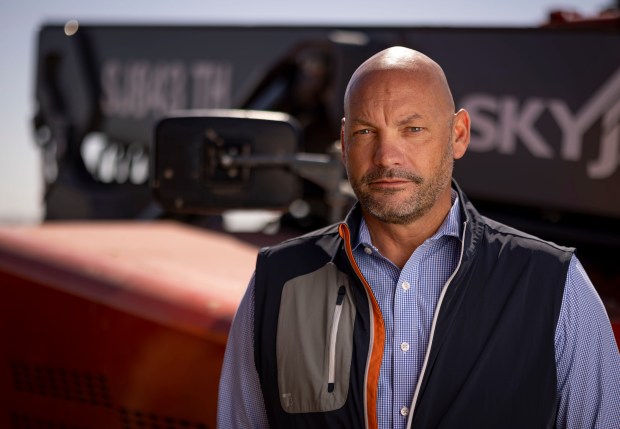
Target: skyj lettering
(499, 122)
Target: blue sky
(20, 178)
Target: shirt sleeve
(240, 401)
(587, 358)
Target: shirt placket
(405, 344)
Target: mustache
(390, 173)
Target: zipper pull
(341, 293)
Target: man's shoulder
(522, 239)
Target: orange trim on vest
(376, 355)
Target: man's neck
(398, 242)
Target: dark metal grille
(20, 421)
(135, 419)
(84, 387)
(71, 385)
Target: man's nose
(388, 150)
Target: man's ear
(342, 145)
(461, 133)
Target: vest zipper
(432, 333)
(377, 337)
(332, 340)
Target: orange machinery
(115, 325)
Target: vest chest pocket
(314, 343)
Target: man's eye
(415, 129)
(360, 132)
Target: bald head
(405, 62)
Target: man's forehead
(395, 94)
(395, 85)
(386, 84)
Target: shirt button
(405, 286)
(368, 250)
(404, 346)
(404, 411)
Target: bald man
(416, 312)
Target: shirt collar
(451, 226)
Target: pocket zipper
(332, 341)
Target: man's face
(398, 148)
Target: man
(416, 312)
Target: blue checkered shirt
(587, 358)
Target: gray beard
(416, 205)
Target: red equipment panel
(115, 325)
